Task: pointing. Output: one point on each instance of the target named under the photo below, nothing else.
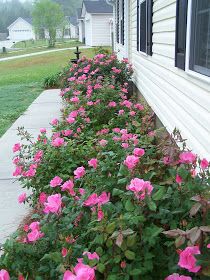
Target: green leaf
(159, 194)
(135, 271)
(130, 255)
(101, 267)
(152, 205)
(129, 206)
(110, 228)
(116, 192)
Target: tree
(48, 16)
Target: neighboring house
(21, 29)
(81, 26)
(69, 31)
(168, 43)
(95, 23)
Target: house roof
(28, 20)
(79, 13)
(73, 20)
(97, 7)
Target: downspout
(112, 3)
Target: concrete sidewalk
(40, 53)
(39, 114)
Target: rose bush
(109, 195)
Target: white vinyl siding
(21, 30)
(178, 99)
(101, 29)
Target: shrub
(109, 196)
(52, 81)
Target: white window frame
(139, 51)
(188, 41)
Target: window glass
(200, 37)
(143, 26)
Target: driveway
(7, 44)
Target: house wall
(101, 30)
(73, 31)
(21, 30)
(178, 99)
(88, 29)
(81, 31)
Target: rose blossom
(131, 161)
(22, 197)
(42, 198)
(91, 256)
(103, 142)
(56, 181)
(4, 275)
(53, 204)
(138, 152)
(187, 157)
(178, 179)
(208, 246)
(16, 147)
(43, 130)
(204, 163)
(93, 163)
(64, 252)
(176, 276)
(54, 122)
(140, 187)
(91, 200)
(187, 259)
(68, 186)
(58, 142)
(79, 172)
(81, 271)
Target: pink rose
(103, 198)
(64, 252)
(100, 215)
(4, 275)
(91, 256)
(208, 246)
(56, 181)
(68, 186)
(93, 163)
(70, 120)
(138, 152)
(42, 198)
(103, 142)
(204, 163)
(177, 277)
(22, 197)
(79, 172)
(43, 130)
(34, 235)
(131, 161)
(53, 204)
(16, 147)
(81, 271)
(92, 200)
(140, 187)
(54, 122)
(187, 157)
(58, 142)
(187, 259)
(125, 145)
(112, 104)
(34, 226)
(178, 179)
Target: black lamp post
(75, 60)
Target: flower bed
(112, 201)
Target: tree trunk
(52, 37)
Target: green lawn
(21, 82)
(38, 46)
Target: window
(193, 37)
(120, 24)
(144, 26)
(199, 60)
